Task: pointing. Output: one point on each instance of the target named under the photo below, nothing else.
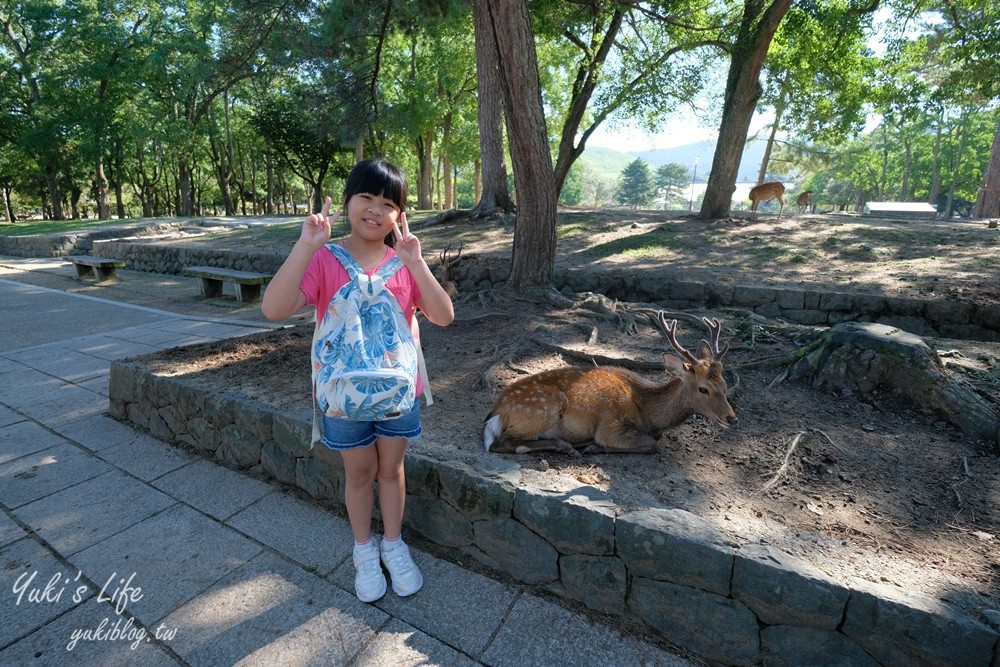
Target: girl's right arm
(282, 297)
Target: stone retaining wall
(81, 242)
(944, 317)
(668, 568)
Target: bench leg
(107, 274)
(247, 293)
(211, 288)
(84, 272)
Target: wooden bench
(247, 284)
(107, 269)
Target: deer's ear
(673, 364)
(704, 351)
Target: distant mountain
(609, 163)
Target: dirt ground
(873, 488)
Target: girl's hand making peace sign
(407, 245)
(316, 228)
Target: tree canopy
(126, 108)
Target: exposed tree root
(856, 358)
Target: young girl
(374, 200)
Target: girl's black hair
(379, 177)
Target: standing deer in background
(765, 192)
(611, 409)
(805, 200)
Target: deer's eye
(703, 390)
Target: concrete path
(118, 549)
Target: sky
(682, 128)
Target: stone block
(255, 418)
(438, 521)
(319, 480)
(573, 523)
(219, 409)
(751, 297)
(421, 475)
(836, 301)
(174, 419)
(486, 492)
(292, 432)
(988, 315)
(771, 310)
(688, 291)
(951, 312)
(517, 551)
(969, 332)
(783, 590)
(721, 295)
(788, 646)
(790, 298)
(204, 434)
(810, 300)
(674, 545)
(278, 463)
(599, 582)
(238, 448)
(716, 628)
(900, 629)
(806, 316)
(897, 305)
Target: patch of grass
(771, 252)
(863, 252)
(39, 227)
(565, 231)
(642, 245)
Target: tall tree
(30, 32)
(495, 194)
(533, 258)
(749, 48)
(636, 185)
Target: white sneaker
(369, 582)
(406, 577)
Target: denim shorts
(341, 434)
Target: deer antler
(670, 331)
(714, 328)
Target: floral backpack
(365, 357)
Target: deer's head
(703, 388)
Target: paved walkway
(118, 549)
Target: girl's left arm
(434, 301)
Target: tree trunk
(857, 358)
(766, 160)
(493, 191)
(185, 193)
(425, 170)
(988, 201)
(8, 205)
(963, 132)
(904, 188)
(534, 253)
(269, 197)
(757, 29)
(52, 183)
(583, 89)
(935, 192)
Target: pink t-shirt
(325, 275)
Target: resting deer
(448, 265)
(765, 192)
(598, 410)
(804, 201)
